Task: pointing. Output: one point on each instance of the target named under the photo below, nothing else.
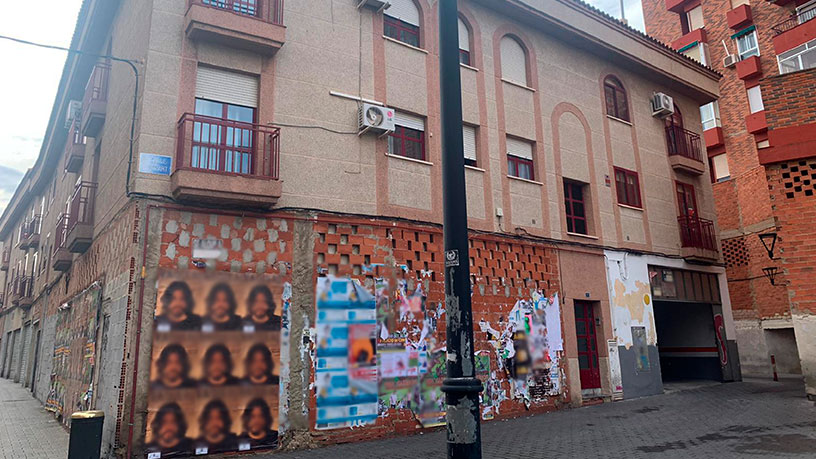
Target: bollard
(773, 365)
(86, 434)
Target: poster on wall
(215, 367)
(74, 358)
(346, 354)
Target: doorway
(587, 345)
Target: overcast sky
(28, 81)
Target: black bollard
(86, 434)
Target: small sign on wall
(150, 163)
(208, 248)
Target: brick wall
(789, 99)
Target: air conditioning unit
(730, 60)
(74, 112)
(376, 118)
(662, 105)
(378, 5)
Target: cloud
(632, 8)
(9, 179)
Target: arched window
(513, 61)
(617, 104)
(402, 22)
(464, 43)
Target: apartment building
(760, 150)
(236, 175)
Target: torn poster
(346, 370)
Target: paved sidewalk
(748, 419)
(27, 431)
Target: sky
(31, 86)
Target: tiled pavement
(749, 419)
(27, 431)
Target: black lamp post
(769, 242)
(461, 386)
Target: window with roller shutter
(401, 22)
(520, 159)
(469, 142)
(408, 138)
(464, 43)
(513, 61)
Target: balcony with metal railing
(22, 291)
(94, 104)
(698, 238)
(79, 228)
(5, 259)
(30, 237)
(798, 29)
(225, 161)
(255, 25)
(74, 148)
(62, 258)
(685, 150)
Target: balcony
(95, 102)
(74, 148)
(739, 17)
(62, 258)
(4, 260)
(756, 123)
(226, 162)
(31, 233)
(714, 137)
(800, 28)
(22, 291)
(750, 68)
(676, 6)
(695, 36)
(685, 151)
(79, 231)
(697, 239)
(255, 25)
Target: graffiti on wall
(74, 358)
(215, 368)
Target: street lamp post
(461, 386)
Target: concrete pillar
(804, 326)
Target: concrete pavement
(27, 431)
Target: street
(751, 418)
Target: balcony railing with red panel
(74, 147)
(61, 258)
(795, 20)
(683, 142)
(95, 100)
(80, 217)
(266, 10)
(697, 233)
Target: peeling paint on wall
(629, 296)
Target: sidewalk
(27, 431)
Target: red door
(587, 345)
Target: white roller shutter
(410, 121)
(227, 87)
(519, 148)
(404, 10)
(513, 61)
(469, 139)
(720, 163)
(464, 36)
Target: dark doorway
(36, 360)
(687, 341)
(587, 345)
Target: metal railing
(31, 226)
(800, 17)
(81, 205)
(23, 286)
(697, 232)
(229, 147)
(75, 137)
(683, 142)
(5, 257)
(97, 87)
(266, 10)
(61, 232)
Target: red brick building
(760, 145)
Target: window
(800, 58)
(719, 168)
(697, 51)
(710, 115)
(408, 138)
(464, 43)
(402, 22)
(693, 19)
(574, 204)
(627, 186)
(520, 159)
(247, 7)
(616, 103)
(755, 99)
(469, 141)
(747, 44)
(513, 61)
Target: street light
(771, 272)
(766, 239)
(461, 386)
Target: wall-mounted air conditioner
(375, 118)
(378, 5)
(662, 105)
(74, 112)
(730, 60)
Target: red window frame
(400, 138)
(401, 31)
(617, 102)
(574, 195)
(627, 186)
(513, 163)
